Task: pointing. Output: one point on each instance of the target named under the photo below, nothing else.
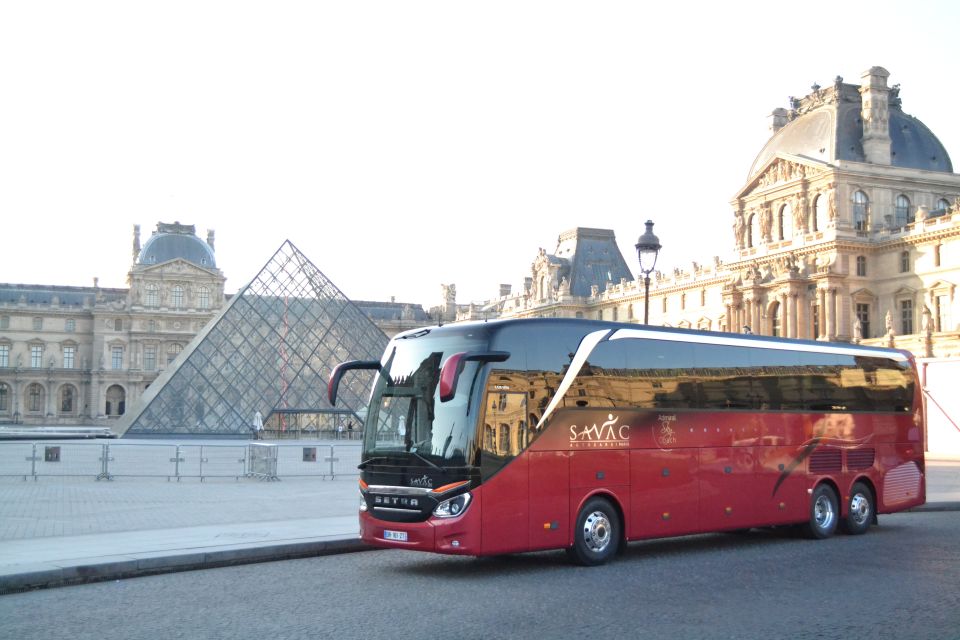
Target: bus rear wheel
(596, 536)
(824, 513)
(859, 510)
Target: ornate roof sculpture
(270, 349)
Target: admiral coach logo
(607, 435)
(422, 481)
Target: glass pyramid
(270, 350)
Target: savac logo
(608, 434)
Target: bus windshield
(406, 423)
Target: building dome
(828, 125)
(176, 241)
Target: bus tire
(824, 513)
(596, 536)
(859, 510)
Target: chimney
(505, 290)
(778, 119)
(875, 113)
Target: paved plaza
(69, 529)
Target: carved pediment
(174, 268)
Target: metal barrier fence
(106, 461)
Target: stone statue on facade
(740, 230)
(766, 223)
(888, 323)
(832, 205)
(857, 331)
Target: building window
(4, 322)
(35, 398)
(775, 319)
(664, 303)
(118, 325)
(36, 356)
(906, 317)
(703, 297)
(69, 354)
(683, 301)
(37, 324)
(4, 355)
(153, 295)
(863, 315)
(174, 350)
(203, 298)
(116, 357)
(152, 326)
(941, 312)
(67, 399)
(70, 325)
(616, 314)
(936, 255)
(783, 221)
(177, 297)
(821, 212)
(861, 265)
(4, 398)
(943, 205)
(116, 400)
(861, 210)
(904, 261)
(150, 358)
(901, 211)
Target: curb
(936, 507)
(187, 561)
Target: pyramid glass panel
(269, 350)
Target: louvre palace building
(847, 229)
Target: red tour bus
(521, 435)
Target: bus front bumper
(459, 535)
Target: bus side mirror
(453, 367)
(334, 383)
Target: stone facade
(81, 355)
(847, 228)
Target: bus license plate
(400, 536)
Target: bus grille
(825, 461)
(859, 459)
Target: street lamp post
(648, 247)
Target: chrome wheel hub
(823, 513)
(596, 531)
(860, 508)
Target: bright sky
(401, 145)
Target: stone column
(822, 313)
(831, 300)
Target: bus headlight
(453, 507)
(363, 502)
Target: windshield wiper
(363, 464)
(432, 464)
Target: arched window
(153, 296)
(785, 222)
(173, 351)
(35, 398)
(177, 297)
(68, 399)
(943, 205)
(821, 213)
(901, 212)
(488, 438)
(861, 211)
(775, 319)
(753, 230)
(4, 397)
(116, 400)
(203, 298)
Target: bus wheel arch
(860, 510)
(598, 530)
(824, 511)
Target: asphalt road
(901, 580)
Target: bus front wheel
(596, 537)
(824, 513)
(859, 511)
